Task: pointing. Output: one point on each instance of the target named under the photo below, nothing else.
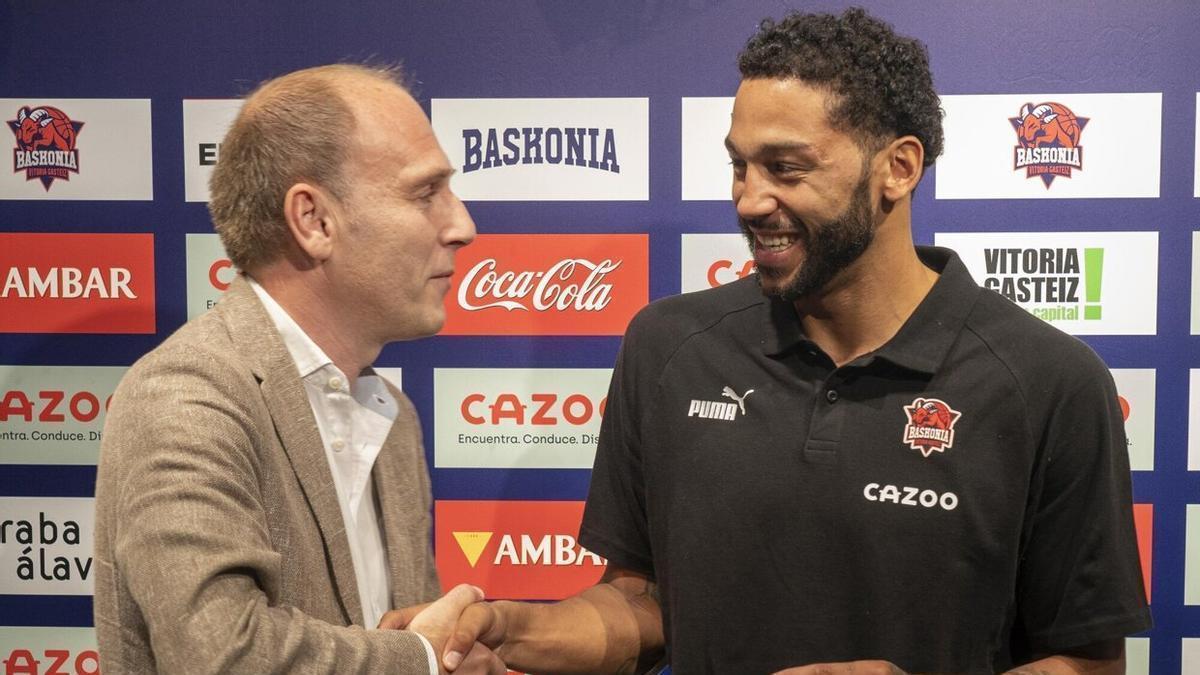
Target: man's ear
(905, 163)
(311, 216)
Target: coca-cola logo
(538, 284)
(553, 289)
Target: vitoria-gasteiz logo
(76, 283)
(1086, 283)
(538, 284)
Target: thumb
(441, 615)
(479, 623)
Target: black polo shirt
(955, 501)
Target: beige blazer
(220, 546)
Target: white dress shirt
(353, 423)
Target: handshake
(461, 628)
(612, 627)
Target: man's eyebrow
(775, 148)
(435, 176)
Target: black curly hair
(880, 80)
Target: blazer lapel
(402, 489)
(256, 337)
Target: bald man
(262, 496)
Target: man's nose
(754, 195)
(461, 228)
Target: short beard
(829, 247)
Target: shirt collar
(926, 337)
(308, 357)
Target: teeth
(776, 242)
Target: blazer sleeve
(182, 529)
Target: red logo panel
(76, 283)
(513, 549)
(1143, 522)
(548, 284)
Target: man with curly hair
(854, 454)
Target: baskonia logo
(45, 144)
(1061, 280)
(930, 425)
(591, 148)
(1048, 137)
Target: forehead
(781, 113)
(393, 132)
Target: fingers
(398, 619)
(476, 625)
(481, 660)
(441, 615)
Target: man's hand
(479, 623)
(846, 668)
(436, 621)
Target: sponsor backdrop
(588, 144)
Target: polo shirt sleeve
(614, 519)
(1080, 578)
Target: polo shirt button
(335, 383)
(831, 395)
(338, 445)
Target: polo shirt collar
(926, 337)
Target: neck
(868, 302)
(322, 318)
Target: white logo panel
(509, 149)
(209, 272)
(393, 375)
(1137, 656)
(1135, 390)
(54, 414)
(1191, 557)
(80, 148)
(1196, 283)
(1190, 648)
(710, 260)
(1114, 144)
(47, 650)
(513, 418)
(204, 125)
(705, 161)
(1084, 283)
(1196, 156)
(46, 545)
(1194, 420)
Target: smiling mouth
(775, 242)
